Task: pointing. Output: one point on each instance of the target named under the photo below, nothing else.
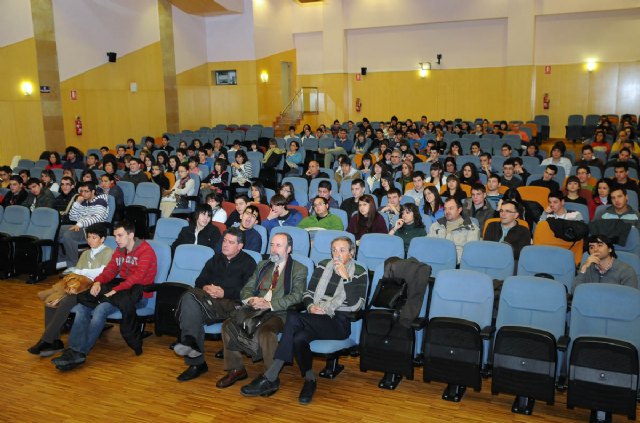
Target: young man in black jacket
(222, 278)
(200, 231)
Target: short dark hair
(240, 238)
(243, 197)
(325, 184)
(556, 194)
(394, 190)
(553, 167)
(16, 178)
(623, 165)
(418, 174)
(357, 181)
(32, 181)
(508, 162)
(478, 187)
(593, 239)
(278, 200)
(88, 184)
(97, 229)
(128, 226)
(202, 209)
(455, 200)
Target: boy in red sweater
(135, 261)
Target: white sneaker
(61, 265)
(69, 270)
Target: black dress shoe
(308, 389)
(260, 386)
(193, 372)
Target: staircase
(305, 100)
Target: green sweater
(331, 221)
(408, 232)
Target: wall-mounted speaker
(112, 56)
(363, 71)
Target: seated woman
(54, 161)
(379, 169)
(450, 166)
(293, 160)
(406, 175)
(469, 174)
(337, 288)
(216, 181)
(433, 204)
(109, 187)
(289, 193)
(409, 225)
(453, 189)
(158, 176)
(258, 193)
(367, 220)
(365, 165)
(600, 196)
(572, 191)
(436, 177)
(48, 179)
(177, 197)
(214, 200)
(241, 173)
(90, 264)
(386, 183)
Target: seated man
(17, 195)
(583, 173)
(417, 192)
(135, 175)
(493, 190)
(508, 230)
(241, 201)
(200, 230)
(602, 265)
(619, 208)
(556, 209)
(338, 287)
(322, 218)
(508, 178)
(621, 177)
(478, 206)
(313, 171)
(92, 262)
(392, 209)
(248, 220)
(547, 179)
(589, 159)
(5, 174)
(280, 214)
(87, 209)
(350, 205)
(324, 190)
(346, 171)
(454, 226)
(65, 199)
(39, 196)
(118, 287)
(276, 284)
(222, 278)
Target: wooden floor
(115, 385)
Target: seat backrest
(257, 257)
(300, 185)
(15, 220)
(44, 223)
(163, 258)
(543, 235)
(493, 258)
(439, 253)
(463, 294)
(534, 193)
(128, 191)
(632, 260)
(376, 248)
(263, 235)
(313, 186)
(188, 262)
(556, 261)
(300, 237)
(583, 209)
(168, 229)
(1, 212)
(342, 215)
(307, 262)
(532, 302)
(148, 195)
(321, 248)
(606, 310)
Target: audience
(455, 226)
(367, 220)
(508, 229)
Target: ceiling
(209, 7)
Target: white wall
(468, 44)
(15, 21)
(86, 30)
(230, 37)
(610, 36)
(272, 25)
(309, 58)
(189, 40)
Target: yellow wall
(110, 112)
(194, 105)
(611, 88)
(334, 97)
(270, 102)
(21, 117)
(234, 103)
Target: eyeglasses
(251, 215)
(507, 211)
(318, 204)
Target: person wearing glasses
(508, 230)
(87, 209)
(321, 218)
(249, 218)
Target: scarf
(270, 152)
(331, 304)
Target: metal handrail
(296, 106)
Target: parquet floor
(116, 386)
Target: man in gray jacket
(454, 226)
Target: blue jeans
(88, 324)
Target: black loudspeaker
(363, 71)
(112, 56)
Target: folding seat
(583, 209)
(193, 199)
(332, 349)
(342, 215)
(300, 186)
(513, 140)
(168, 229)
(267, 132)
(459, 323)
(188, 262)
(575, 127)
(386, 344)
(163, 259)
(36, 251)
(15, 222)
(492, 258)
(128, 191)
(144, 209)
(603, 359)
(256, 163)
(530, 331)
(543, 235)
(257, 257)
(554, 261)
(301, 243)
(26, 164)
(374, 249)
(321, 248)
(632, 260)
(439, 253)
(264, 236)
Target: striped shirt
(89, 212)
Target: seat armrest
(487, 332)
(354, 316)
(420, 323)
(563, 343)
